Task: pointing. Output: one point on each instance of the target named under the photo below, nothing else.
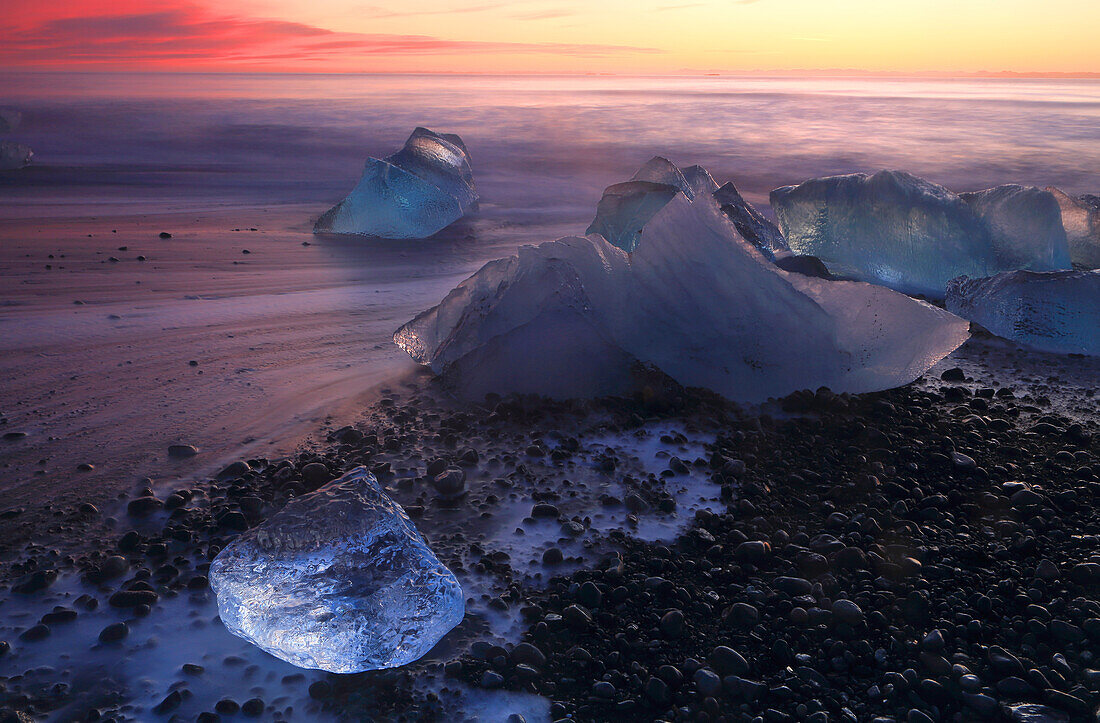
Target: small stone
(847, 611)
(182, 451)
(114, 632)
(672, 623)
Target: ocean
(288, 336)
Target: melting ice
(1053, 311)
(575, 317)
(412, 194)
(338, 580)
(909, 234)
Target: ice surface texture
(1081, 219)
(901, 231)
(753, 226)
(626, 207)
(416, 192)
(14, 155)
(338, 580)
(1055, 311)
(571, 318)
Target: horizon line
(773, 72)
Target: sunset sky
(555, 36)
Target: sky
(555, 36)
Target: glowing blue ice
(578, 316)
(412, 194)
(901, 231)
(1081, 219)
(1055, 311)
(338, 580)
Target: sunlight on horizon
(558, 36)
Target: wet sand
(239, 335)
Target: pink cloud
(185, 34)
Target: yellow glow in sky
(600, 36)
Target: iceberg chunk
(14, 155)
(1055, 311)
(578, 316)
(625, 209)
(1026, 226)
(1081, 219)
(338, 580)
(753, 226)
(412, 194)
(901, 231)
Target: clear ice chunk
(626, 208)
(901, 231)
(1081, 220)
(338, 580)
(412, 194)
(577, 316)
(753, 226)
(1026, 226)
(14, 156)
(1056, 311)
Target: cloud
(377, 12)
(185, 34)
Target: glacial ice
(1057, 311)
(576, 317)
(1081, 219)
(753, 226)
(9, 120)
(1026, 226)
(625, 208)
(901, 231)
(412, 194)
(338, 580)
(14, 156)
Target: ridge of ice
(1054, 311)
(1081, 220)
(753, 226)
(572, 317)
(912, 235)
(411, 194)
(339, 580)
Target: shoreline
(688, 524)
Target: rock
(143, 506)
(181, 451)
(707, 682)
(656, 690)
(728, 661)
(132, 598)
(114, 632)
(847, 611)
(793, 586)
(672, 623)
(315, 474)
(451, 482)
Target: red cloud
(184, 34)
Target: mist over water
(539, 144)
(298, 327)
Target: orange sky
(555, 36)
